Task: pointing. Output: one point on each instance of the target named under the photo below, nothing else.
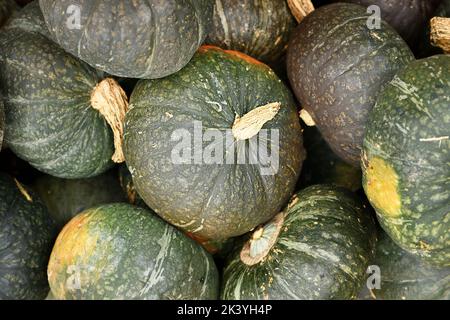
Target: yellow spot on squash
(382, 187)
(73, 248)
(23, 191)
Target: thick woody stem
(300, 8)
(111, 101)
(440, 33)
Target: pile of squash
(222, 149)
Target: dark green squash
(406, 277)
(65, 198)
(217, 92)
(26, 238)
(259, 28)
(318, 248)
(50, 121)
(337, 66)
(7, 8)
(408, 17)
(136, 39)
(406, 159)
(322, 166)
(120, 251)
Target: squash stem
(300, 8)
(111, 101)
(440, 33)
(250, 124)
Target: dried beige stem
(111, 101)
(440, 33)
(307, 118)
(300, 8)
(250, 124)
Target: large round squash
(337, 66)
(188, 137)
(259, 28)
(406, 159)
(406, 277)
(50, 97)
(26, 238)
(318, 248)
(135, 39)
(65, 198)
(408, 17)
(119, 251)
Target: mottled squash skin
(407, 277)
(259, 28)
(26, 238)
(337, 66)
(135, 39)
(120, 251)
(406, 159)
(322, 252)
(49, 119)
(408, 17)
(212, 201)
(65, 198)
(7, 8)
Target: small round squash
(337, 66)
(215, 149)
(59, 111)
(406, 159)
(318, 248)
(26, 238)
(135, 39)
(259, 28)
(119, 251)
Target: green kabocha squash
(58, 109)
(318, 248)
(26, 238)
(408, 17)
(337, 66)
(65, 198)
(7, 8)
(406, 159)
(135, 39)
(404, 276)
(322, 166)
(196, 151)
(119, 251)
(259, 28)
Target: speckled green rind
(7, 8)
(259, 28)
(407, 277)
(337, 66)
(65, 198)
(322, 252)
(136, 39)
(49, 120)
(408, 17)
(126, 252)
(322, 166)
(26, 239)
(409, 129)
(212, 201)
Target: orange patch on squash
(233, 53)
